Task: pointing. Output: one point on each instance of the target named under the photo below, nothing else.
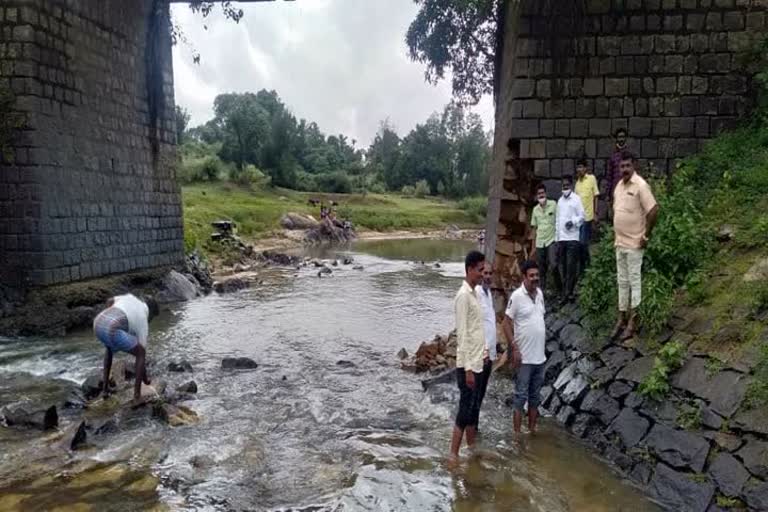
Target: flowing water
(327, 422)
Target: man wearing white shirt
(124, 327)
(568, 221)
(485, 297)
(525, 332)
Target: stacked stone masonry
(88, 187)
(672, 72)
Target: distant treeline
(255, 139)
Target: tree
(383, 155)
(244, 124)
(182, 121)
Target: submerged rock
(444, 378)
(21, 417)
(402, 354)
(679, 492)
(238, 363)
(231, 285)
(345, 364)
(188, 387)
(180, 366)
(358, 267)
(79, 437)
(177, 288)
(175, 415)
(92, 386)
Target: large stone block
(678, 491)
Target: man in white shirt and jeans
(525, 332)
(470, 347)
(568, 221)
(485, 297)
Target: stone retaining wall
(592, 389)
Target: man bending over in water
(124, 327)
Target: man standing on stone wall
(634, 215)
(525, 332)
(470, 352)
(586, 189)
(613, 173)
(543, 241)
(568, 221)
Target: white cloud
(340, 63)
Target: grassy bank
(257, 212)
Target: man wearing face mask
(543, 244)
(568, 221)
(634, 216)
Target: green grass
(257, 212)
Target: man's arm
(595, 198)
(557, 224)
(578, 219)
(462, 310)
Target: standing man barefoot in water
(124, 327)
(469, 352)
(524, 329)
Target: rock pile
(697, 444)
(436, 355)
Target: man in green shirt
(543, 223)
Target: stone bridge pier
(87, 184)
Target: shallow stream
(301, 432)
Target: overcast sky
(340, 63)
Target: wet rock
(175, 415)
(619, 389)
(107, 427)
(79, 438)
(710, 419)
(335, 263)
(444, 378)
(630, 426)
(724, 390)
(617, 357)
(757, 272)
(756, 495)
(678, 491)
(325, 271)
(198, 268)
(188, 387)
(565, 415)
(752, 420)
(678, 448)
(402, 354)
(238, 363)
(443, 393)
(582, 423)
(75, 400)
(345, 364)
(280, 259)
(293, 220)
(575, 390)
(554, 365)
(92, 386)
(636, 370)
(728, 442)
(180, 366)
(601, 405)
(348, 260)
(176, 288)
(358, 267)
(566, 375)
(231, 285)
(575, 337)
(554, 405)
(545, 394)
(728, 473)
(641, 473)
(754, 454)
(25, 418)
(602, 375)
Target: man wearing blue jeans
(525, 332)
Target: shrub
(422, 189)
(408, 191)
(669, 358)
(377, 187)
(476, 206)
(334, 183)
(251, 177)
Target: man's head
(541, 194)
(530, 272)
(582, 167)
(567, 185)
(621, 137)
(627, 166)
(473, 265)
(487, 275)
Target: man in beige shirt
(634, 215)
(470, 352)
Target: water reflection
(304, 432)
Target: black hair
(528, 265)
(568, 178)
(473, 258)
(582, 161)
(628, 155)
(541, 187)
(621, 130)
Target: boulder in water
(79, 437)
(175, 415)
(345, 364)
(348, 260)
(180, 367)
(23, 417)
(230, 285)
(238, 363)
(402, 354)
(177, 288)
(358, 267)
(92, 386)
(188, 387)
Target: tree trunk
(511, 179)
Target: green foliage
(182, 121)
(476, 206)
(598, 292)
(757, 391)
(726, 502)
(755, 234)
(669, 358)
(421, 190)
(689, 417)
(658, 300)
(714, 366)
(250, 177)
(758, 301)
(408, 191)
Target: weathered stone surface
(617, 357)
(665, 411)
(757, 272)
(177, 288)
(678, 491)
(678, 448)
(175, 415)
(402, 354)
(582, 423)
(565, 415)
(756, 495)
(728, 442)
(188, 387)
(636, 370)
(710, 419)
(545, 394)
(724, 390)
(92, 386)
(79, 437)
(298, 221)
(238, 363)
(754, 454)
(37, 419)
(602, 375)
(566, 375)
(752, 420)
(575, 390)
(641, 473)
(601, 405)
(575, 337)
(630, 426)
(231, 285)
(619, 389)
(633, 400)
(728, 473)
(554, 365)
(180, 366)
